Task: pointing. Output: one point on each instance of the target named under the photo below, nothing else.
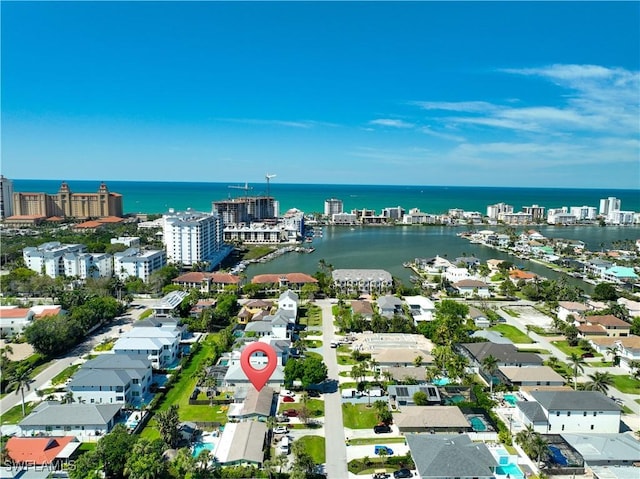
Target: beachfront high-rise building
(583, 212)
(607, 205)
(68, 204)
(395, 213)
(192, 237)
(494, 211)
(246, 210)
(48, 258)
(536, 212)
(6, 197)
(332, 206)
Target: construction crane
(268, 177)
(246, 188)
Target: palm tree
(577, 365)
(417, 361)
(613, 352)
(599, 382)
(21, 379)
(540, 447)
(490, 365)
(525, 436)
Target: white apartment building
(560, 216)
(6, 197)
(192, 237)
(48, 258)
(536, 212)
(607, 205)
(332, 206)
(415, 216)
(519, 218)
(396, 213)
(293, 223)
(257, 233)
(128, 241)
(583, 212)
(137, 263)
(344, 218)
(494, 211)
(88, 265)
(618, 217)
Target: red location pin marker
(258, 377)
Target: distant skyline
(537, 94)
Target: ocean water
(158, 197)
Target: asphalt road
(336, 449)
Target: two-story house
(159, 342)
(607, 325)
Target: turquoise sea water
(158, 197)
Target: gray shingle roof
(100, 377)
(448, 455)
(533, 411)
(54, 413)
(118, 361)
(574, 401)
(504, 353)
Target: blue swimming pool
(478, 424)
(198, 447)
(511, 399)
(557, 457)
(441, 381)
(510, 470)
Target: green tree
(599, 381)
(490, 366)
(86, 466)
(577, 366)
(420, 398)
(21, 380)
(605, 292)
(113, 450)
(168, 425)
(145, 460)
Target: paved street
(336, 450)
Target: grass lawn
(359, 416)
(534, 350)
(566, 349)
(65, 374)
(14, 415)
(511, 312)
(344, 360)
(512, 333)
(256, 252)
(626, 384)
(105, 345)
(314, 445)
(313, 316)
(316, 406)
(601, 364)
(312, 343)
(311, 354)
(348, 385)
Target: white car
(280, 430)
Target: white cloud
(391, 123)
(467, 106)
(445, 136)
(283, 123)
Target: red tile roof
(14, 312)
(519, 274)
(36, 450)
(111, 219)
(199, 277)
(289, 277)
(49, 312)
(608, 320)
(88, 225)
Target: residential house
(358, 281)
(167, 305)
(455, 274)
(201, 306)
(403, 374)
(207, 282)
(567, 309)
(472, 287)
(446, 456)
(604, 451)
(596, 267)
(620, 274)
(431, 419)
(517, 275)
(112, 378)
(505, 354)
(632, 306)
(288, 303)
(254, 310)
(479, 319)
(389, 306)
(533, 376)
(569, 412)
(242, 443)
(13, 320)
(85, 421)
(421, 308)
(607, 325)
(258, 405)
(435, 265)
(401, 357)
(49, 452)
(362, 308)
(403, 395)
(159, 342)
(627, 348)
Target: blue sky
(430, 93)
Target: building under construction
(247, 210)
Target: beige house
(433, 419)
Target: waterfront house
(157, 341)
(446, 456)
(632, 306)
(207, 282)
(274, 283)
(454, 274)
(596, 267)
(472, 287)
(569, 412)
(517, 275)
(86, 421)
(506, 354)
(368, 281)
(619, 274)
(435, 265)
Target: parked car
(587, 355)
(381, 475)
(378, 450)
(280, 430)
(282, 418)
(402, 473)
(381, 428)
(312, 393)
(288, 399)
(291, 413)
